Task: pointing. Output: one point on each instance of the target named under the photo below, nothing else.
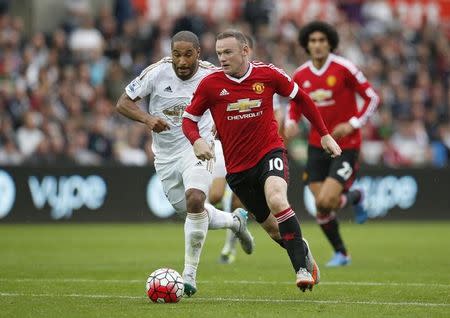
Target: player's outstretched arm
(127, 107)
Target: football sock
(230, 242)
(330, 228)
(219, 219)
(292, 237)
(280, 242)
(195, 230)
(350, 198)
(219, 205)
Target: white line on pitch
(258, 300)
(238, 282)
(68, 295)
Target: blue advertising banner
(134, 194)
(413, 194)
(119, 194)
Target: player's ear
(246, 50)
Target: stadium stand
(58, 88)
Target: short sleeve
(142, 85)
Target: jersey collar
(241, 79)
(324, 67)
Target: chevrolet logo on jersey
(321, 94)
(322, 97)
(244, 105)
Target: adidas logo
(224, 92)
(168, 89)
(199, 164)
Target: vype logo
(64, 194)
(7, 193)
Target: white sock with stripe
(195, 230)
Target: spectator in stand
(66, 72)
(29, 136)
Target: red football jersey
(333, 89)
(243, 112)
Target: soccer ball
(165, 285)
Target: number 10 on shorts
(276, 163)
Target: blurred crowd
(58, 89)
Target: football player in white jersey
(170, 84)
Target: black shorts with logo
(248, 185)
(320, 165)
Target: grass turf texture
(99, 270)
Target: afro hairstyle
(318, 26)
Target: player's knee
(214, 197)
(326, 203)
(276, 201)
(195, 201)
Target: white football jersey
(169, 96)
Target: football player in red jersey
(332, 82)
(219, 187)
(239, 97)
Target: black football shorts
(248, 185)
(320, 165)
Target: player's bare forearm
(342, 130)
(330, 145)
(129, 109)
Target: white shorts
(184, 172)
(219, 166)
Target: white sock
(230, 243)
(220, 220)
(195, 230)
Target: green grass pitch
(99, 270)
